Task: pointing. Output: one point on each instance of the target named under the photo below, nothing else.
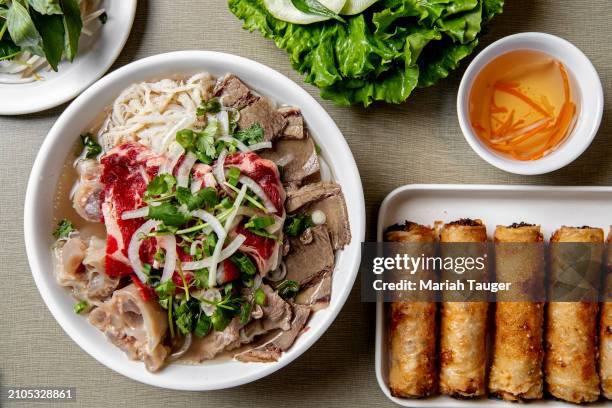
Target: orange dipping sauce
(521, 104)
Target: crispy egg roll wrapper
(516, 371)
(463, 326)
(570, 364)
(605, 328)
(412, 334)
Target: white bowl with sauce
(586, 95)
(48, 168)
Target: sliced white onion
(326, 173)
(225, 253)
(260, 145)
(209, 180)
(175, 151)
(212, 295)
(194, 246)
(230, 219)
(256, 188)
(137, 213)
(284, 160)
(182, 174)
(219, 170)
(134, 248)
(318, 217)
(168, 243)
(210, 220)
(220, 273)
(182, 350)
(196, 185)
(241, 146)
(278, 274)
(257, 282)
(223, 119)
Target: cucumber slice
(286, 11)
(356, 6)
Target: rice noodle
(151, 113)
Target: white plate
(96, 55)
(38, 213)
(549, 206)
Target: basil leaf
(8, 50)
(169, 214)
(22, 29)
(51, 30)
(316, 8)
(73, 24)
(46, 7)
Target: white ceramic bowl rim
(38, 212)
(589, 98)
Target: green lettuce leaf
(382, 54)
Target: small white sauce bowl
(587, 94)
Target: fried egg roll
(516, 371)
(412, 336)
(570, 363)
(463, 326)
(605, 329)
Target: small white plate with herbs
(51, 50)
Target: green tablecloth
(418, 142)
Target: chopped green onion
(80, 307)
(260, 297)
(64, 228)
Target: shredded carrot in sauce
(528, 116)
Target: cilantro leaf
(210, 106)
(233, 174)
(161, 184)
(206, 197)
(92, 147)
(259, 222)
(203, 325)
(296, 224)
(252, 135)
(169, 214)
(64, 228)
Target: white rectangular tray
(550, 207)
